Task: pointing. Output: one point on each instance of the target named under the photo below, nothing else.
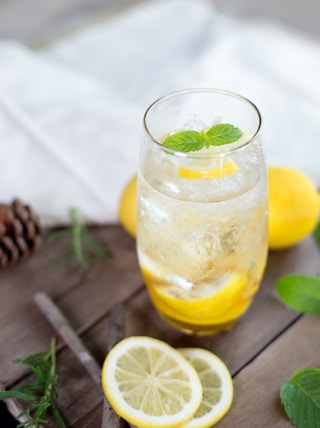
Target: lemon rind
(220, 410)
(135, 416)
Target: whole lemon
(128, 207)
(294, 205)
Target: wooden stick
(117, 326)
(63, 327)
(116, 332)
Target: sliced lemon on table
(217, 387)
(211, 173)
(150, 384)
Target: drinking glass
(202, 215)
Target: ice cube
(194, 123)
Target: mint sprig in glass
(192, 141)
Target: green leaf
(95, 246)
(300, 292)
(4, 395)
(223, 133)
(57, 234)
(82, 248)
(192, 141)
(43, 366)
(186, 141)
(316, 233)
(57, 417)
(33, 360)
(301, 398)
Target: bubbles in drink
(202, 227)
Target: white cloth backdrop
(71, 114)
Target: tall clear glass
(202, 216)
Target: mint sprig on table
(41, 392)
(300, 396)
(192, 141)
(83, 249)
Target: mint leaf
(223, 133)
(186, 141)
(301, 398)
(301, 293)
(192, 141)
(316, 233)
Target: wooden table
(264, 349)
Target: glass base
(198, 330)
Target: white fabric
(71, 114)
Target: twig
(116, 332)
(63, 327)
(117, 328)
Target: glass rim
(222, 150)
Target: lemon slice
(203, 310)
(150, 384)
(212, 173)
(216, 384)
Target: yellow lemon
(150, 384)
(226, 304)
(128, 207)
(294, 205)
(212, 173)
(217, 387)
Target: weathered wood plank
(86, 300)
(84, 296)
(257, 386)
(19, 283)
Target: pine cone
(20, 232)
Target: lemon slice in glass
(220, 171)
(150, 384)
(203, 310)
(217, 387)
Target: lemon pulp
(150, 384)
(217, 387)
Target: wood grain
(257, 386)
(252, 350)
(84, 296)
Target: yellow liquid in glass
(202, 256)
